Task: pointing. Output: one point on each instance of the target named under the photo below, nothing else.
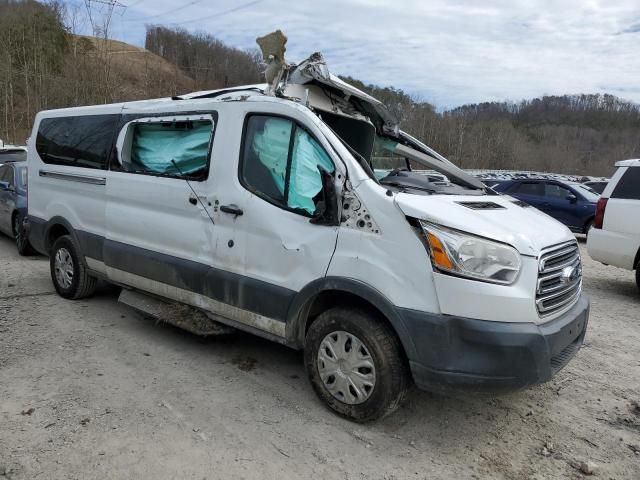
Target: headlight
(470, 256)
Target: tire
(68, 273)
(638, 275)
(337, 330)
(588, 227)
(20, 236)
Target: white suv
(615, 237)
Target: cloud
(632, 29)
(448, 52)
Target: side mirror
(327, 211)
(572, 198)
(4, 185)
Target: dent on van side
(300, 212)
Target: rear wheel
(68, 273)
(20, 236)
(356, 365)
(638, 275)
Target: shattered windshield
(384, 160)
(397, 156)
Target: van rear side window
(81, 141)
(628, 186)
(174, 148)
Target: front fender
(297, 313)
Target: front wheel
(356, 364)
(68, 273)
(20, 236)
(638, 275)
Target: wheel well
(586, 224)
(335, 298)
(339, 298)
(56, 231)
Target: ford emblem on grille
(570, 274)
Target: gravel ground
(89, 389)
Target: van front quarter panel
(393, 261)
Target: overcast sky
(448, 52)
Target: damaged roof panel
(315, 70)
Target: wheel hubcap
(346, 367)
(63, 268)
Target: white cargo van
(263, 211)
(615, 236)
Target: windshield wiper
(404, 187)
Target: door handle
(193, 200)
(232, 209)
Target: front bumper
(453, 353)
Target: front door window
(283, 163)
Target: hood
(496, 217)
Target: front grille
(559, 278)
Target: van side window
(282, 163)
(156, 146)
(628, 186)
(81, 141)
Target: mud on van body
(263, 211)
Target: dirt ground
(91, 390)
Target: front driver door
(266, 206)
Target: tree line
(574, 134)
(207, 60)
(45, 64)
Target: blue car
(571, 203)
(13, 199)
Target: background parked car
(597, 186)
(13, 199)
(615, 237)
(571, 203)
(10, 153)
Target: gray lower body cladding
(455, 353)
(237, 290)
